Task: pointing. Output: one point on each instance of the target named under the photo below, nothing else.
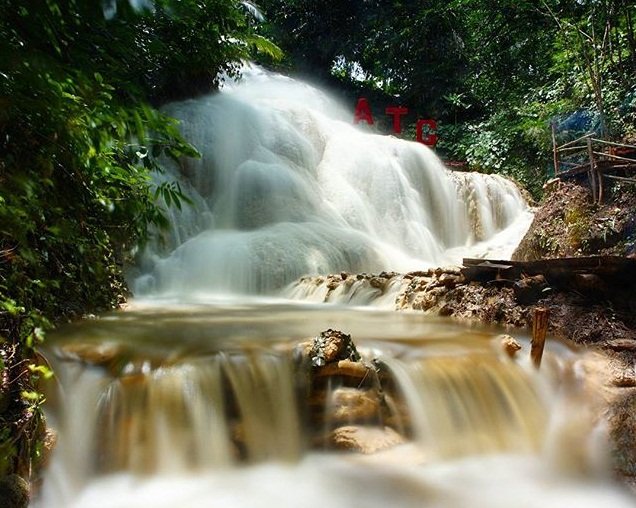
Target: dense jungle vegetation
(80, 133)
(494, 74)
(81, 82)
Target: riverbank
(591, 320)
(588, 310)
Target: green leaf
(11, 307)
(41, 370)
(264, 46)
(31, 396)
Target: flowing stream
(205, 405)
(202, 394)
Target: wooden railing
(598, 158)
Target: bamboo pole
(591, 174)
(569, 143)
(555, 151)
(621, 178)
(539, 330)
(617, 157)
(573, 148)
(613, 143)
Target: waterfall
(218, 408)
(287, 186)
(219, 403)
(471, 404)
(170, 418)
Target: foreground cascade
(244, 405)
(287, 187)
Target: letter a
(363, 112)
(397, 112)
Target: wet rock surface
(510, 345)
(349, 408)
(446, 296)
(364, 440)
(354, 405)
(603, 321)
(569, 224)
(622, 426)
(331, 346)
(362, 288)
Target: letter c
(430, 139)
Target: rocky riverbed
(589, 311)
(601, 326)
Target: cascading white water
(286, 187)
(208, 406)
(204, 406)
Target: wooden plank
(486, 270)
(584, 261)
(583, 168)
(487, 262)
(616, 269)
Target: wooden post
(591, 173)
(555, 150)
(599, 178)
(539, 330)
(599, 175)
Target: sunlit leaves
(41, 371)
(263, 45)
(81, 134)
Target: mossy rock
(14, 492)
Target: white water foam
(287, 187)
